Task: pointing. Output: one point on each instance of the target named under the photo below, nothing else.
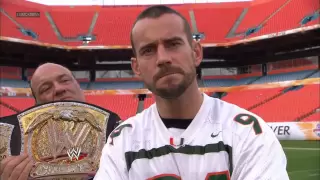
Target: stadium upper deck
(220, 22)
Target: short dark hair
(157, 11)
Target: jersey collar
(189, 134)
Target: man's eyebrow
(63, 75)
(59, 77)
(175, 38)
(40, 86)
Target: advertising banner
(296, 130)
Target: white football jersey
(222, 142)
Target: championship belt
(5, 138)
(64, 139)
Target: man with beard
(50, 82)
(185, 134)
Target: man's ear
(135, 66)
(197, 52)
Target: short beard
(173, 93)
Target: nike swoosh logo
(215, 135)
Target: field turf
(303, 159)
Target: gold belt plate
(65, 139)
(5, 139)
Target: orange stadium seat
(10, 29)
(210, 21)
(125, 105)
(290, 16)
(78, 21)
(114, 24)
(40, 26)
(72, 23)
(4, 111)
(113, 27)
(10, 72)
(148, 102)
(290, 105)
(258, 13)
(313, 117)
(248, 98)
(287, 107)
(20, 103)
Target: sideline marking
(310, 170)
(308, 149)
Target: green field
(303, 159)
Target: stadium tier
(261, 79)
(112, 25)
(117, 85)
(17, 103)
(14, 83)
(289, 106)
(249, 98)
(312, 117)
(40, 26)
(125, 105)
(4, 111)
(290, 13)
(287, 103)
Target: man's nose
(163, 56)
(59, 89)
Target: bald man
(53, 82)
(50, 82)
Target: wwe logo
(74, 153)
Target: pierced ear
(135, 66)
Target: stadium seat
(244, 81)
(4, 111)
(114, 24)
(313, 117)
(108, 30)
(117, 85)
(9, 73)
(20, 103)
(248, 98)
(315, 75)
(13, 83)
(9, 29)
(218, 82)
(84, 85)
(228, 82)
(148, 101)
(290, 105)
(290, 16)
(72, 22)
(209, 21)
(40, 26)
(257, 14)
(283, 77)
(124, 105)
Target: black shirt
(176, 123)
